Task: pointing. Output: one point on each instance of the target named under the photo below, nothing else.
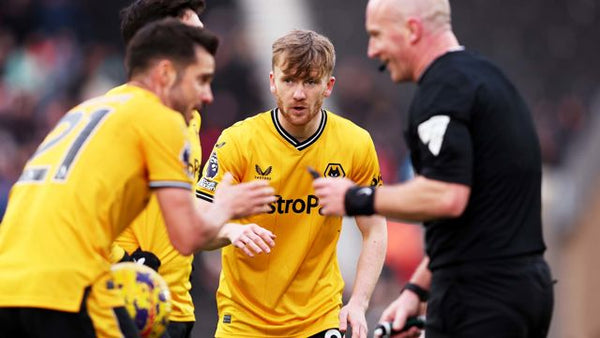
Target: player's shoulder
(137, 100)
(249, 126)
(346, 126)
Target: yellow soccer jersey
(86, 182)
(296, 290)
(149, 233)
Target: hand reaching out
(243, 199)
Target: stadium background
(55, 53)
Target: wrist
(363, 304)
(417, 290)
(220, 214)
(360, 201)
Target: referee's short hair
(167, 39)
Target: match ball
(146, 295)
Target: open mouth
(298, 109)
(383, 65)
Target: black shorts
(26, 322)
(179, 330)
(506, 298)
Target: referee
(478, 185)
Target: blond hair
(304, 54)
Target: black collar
(291, 139)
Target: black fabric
(496, 299)
(360, 201)
(179, 330)
(45, 323)
(126, 324)
(419, 291)
(489, 144)
(148, 258)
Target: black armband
(360, 201)
(419, 291)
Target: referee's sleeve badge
(432, 131)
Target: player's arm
(190, 228)
(370, 263)
(250, 238)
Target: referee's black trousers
(508, 298)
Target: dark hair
(167, 39)
(142, 12)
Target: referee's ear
(415, 27)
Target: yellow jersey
(149, 233)
(296, 290)
(86, 182)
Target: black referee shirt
(469, 125)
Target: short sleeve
(166, 148)
(367, 170)
(440, 138)
(225, 157)
(445, 150)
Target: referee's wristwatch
(419, 291)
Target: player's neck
(300, 132)
(142, 83)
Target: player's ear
(330, 84)
(272, 83)
(167, 73)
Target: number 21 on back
(58, 153)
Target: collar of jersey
(291, 139)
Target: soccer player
(92, 176)
(146, 240)
(478, 186)
(296, 290)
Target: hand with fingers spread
(331, 193)
(355, 316)
(250, 238)
(243, 199)
(405, 306)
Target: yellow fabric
(102, 315)
(296, 290)
(55, 239)
(149, 233)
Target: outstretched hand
(243, 199)
(331, 193)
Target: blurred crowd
(56, 53)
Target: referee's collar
(459, 48)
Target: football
(146, 296)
